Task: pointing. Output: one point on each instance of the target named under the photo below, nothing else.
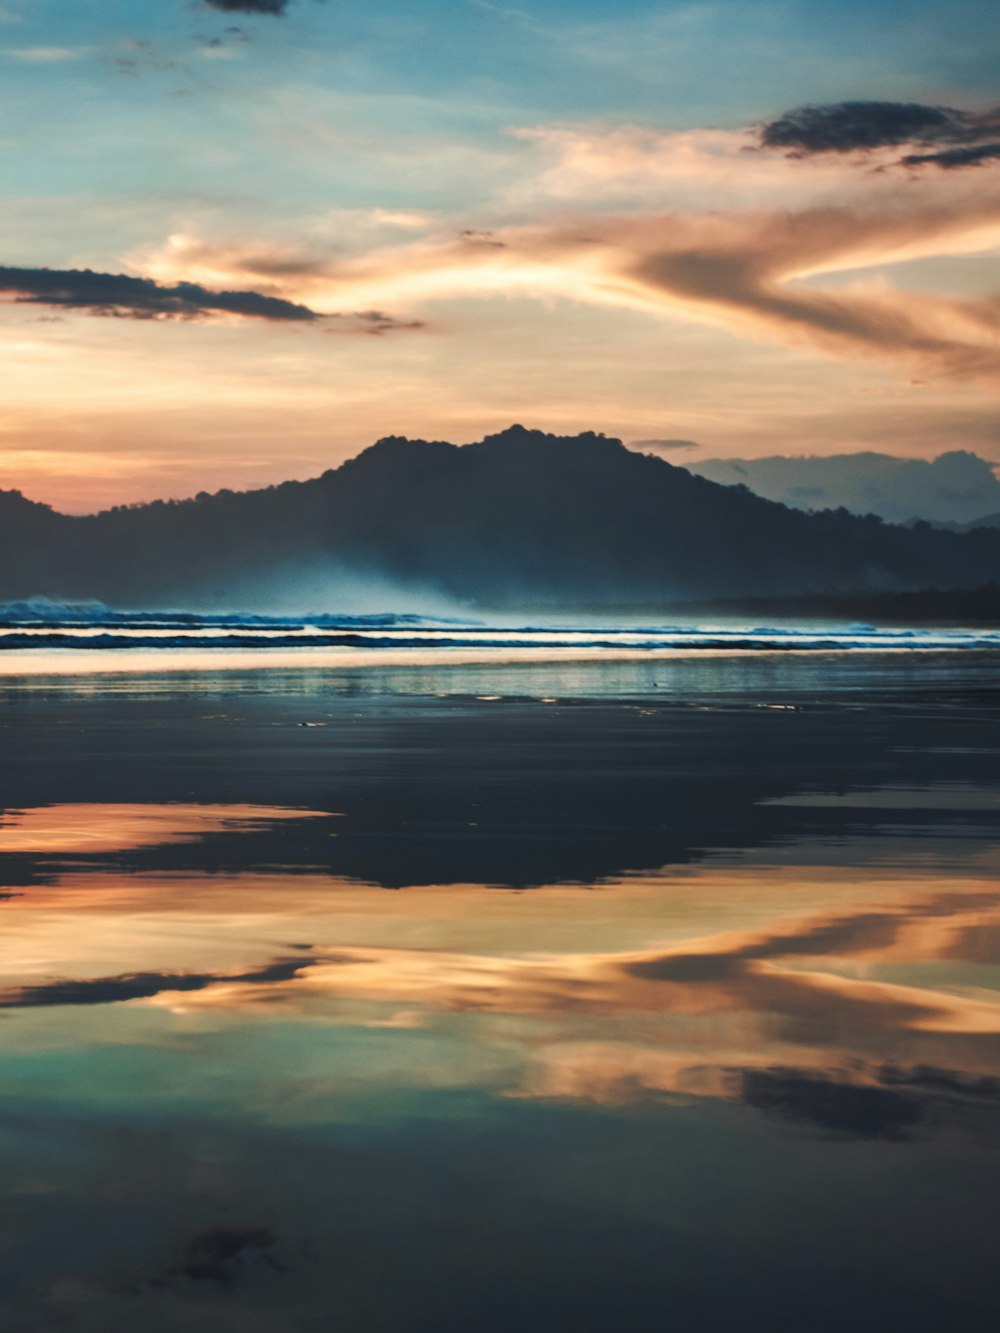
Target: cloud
(635, 165)
(224, 1254)
(966, 138)
(44, 55)
(950, 158)
(844, 1108)
(275, 7)
(116, 294)
(94, 829)
(374, 323)
(769, 1016)
(138, 54)
(845, 127)
(225, 46)
(144, 985)
(863, 933)
(927, 1078)
(758, 275)
(755, 274)
(664, 444)
(751, 972)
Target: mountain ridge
(521, 518)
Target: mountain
(987, 521)
(520, 520)
(956, 488)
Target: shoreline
(33, 663)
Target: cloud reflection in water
(798, 1014)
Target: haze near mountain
(957, 487)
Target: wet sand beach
(549, 995)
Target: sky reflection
(602, 1008)
(86, 828)
(813, 973)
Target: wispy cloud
(950, 158)
(373, 323)
(228, 46)
(755, 970)
(754, 273)
(45, 55)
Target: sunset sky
(443, 216)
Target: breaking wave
(38, 623)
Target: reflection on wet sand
(86, 828)
(454, 1013)
(683, 1019)
(817, 976)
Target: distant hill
(956, 488)
(987, 521)
(521, 520)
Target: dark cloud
(143, 985)
(479, 237)
(900, 1104)
(842, 1108)
(224, 1254)
(845, 935)
(801, 1009)
(845, 127)
(231, 37)
(376, 323)
(957, 138)
(686, 968)
(950, 158)
(947, 1081)
(116, 294)
(275, 7)
(851, 935)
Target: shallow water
(556, 996)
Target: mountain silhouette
(520, 520)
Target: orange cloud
(749, 972)
(768, 1011)
(755, 274)
(90, 827)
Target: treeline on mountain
(521, 520)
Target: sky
(759, 227)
